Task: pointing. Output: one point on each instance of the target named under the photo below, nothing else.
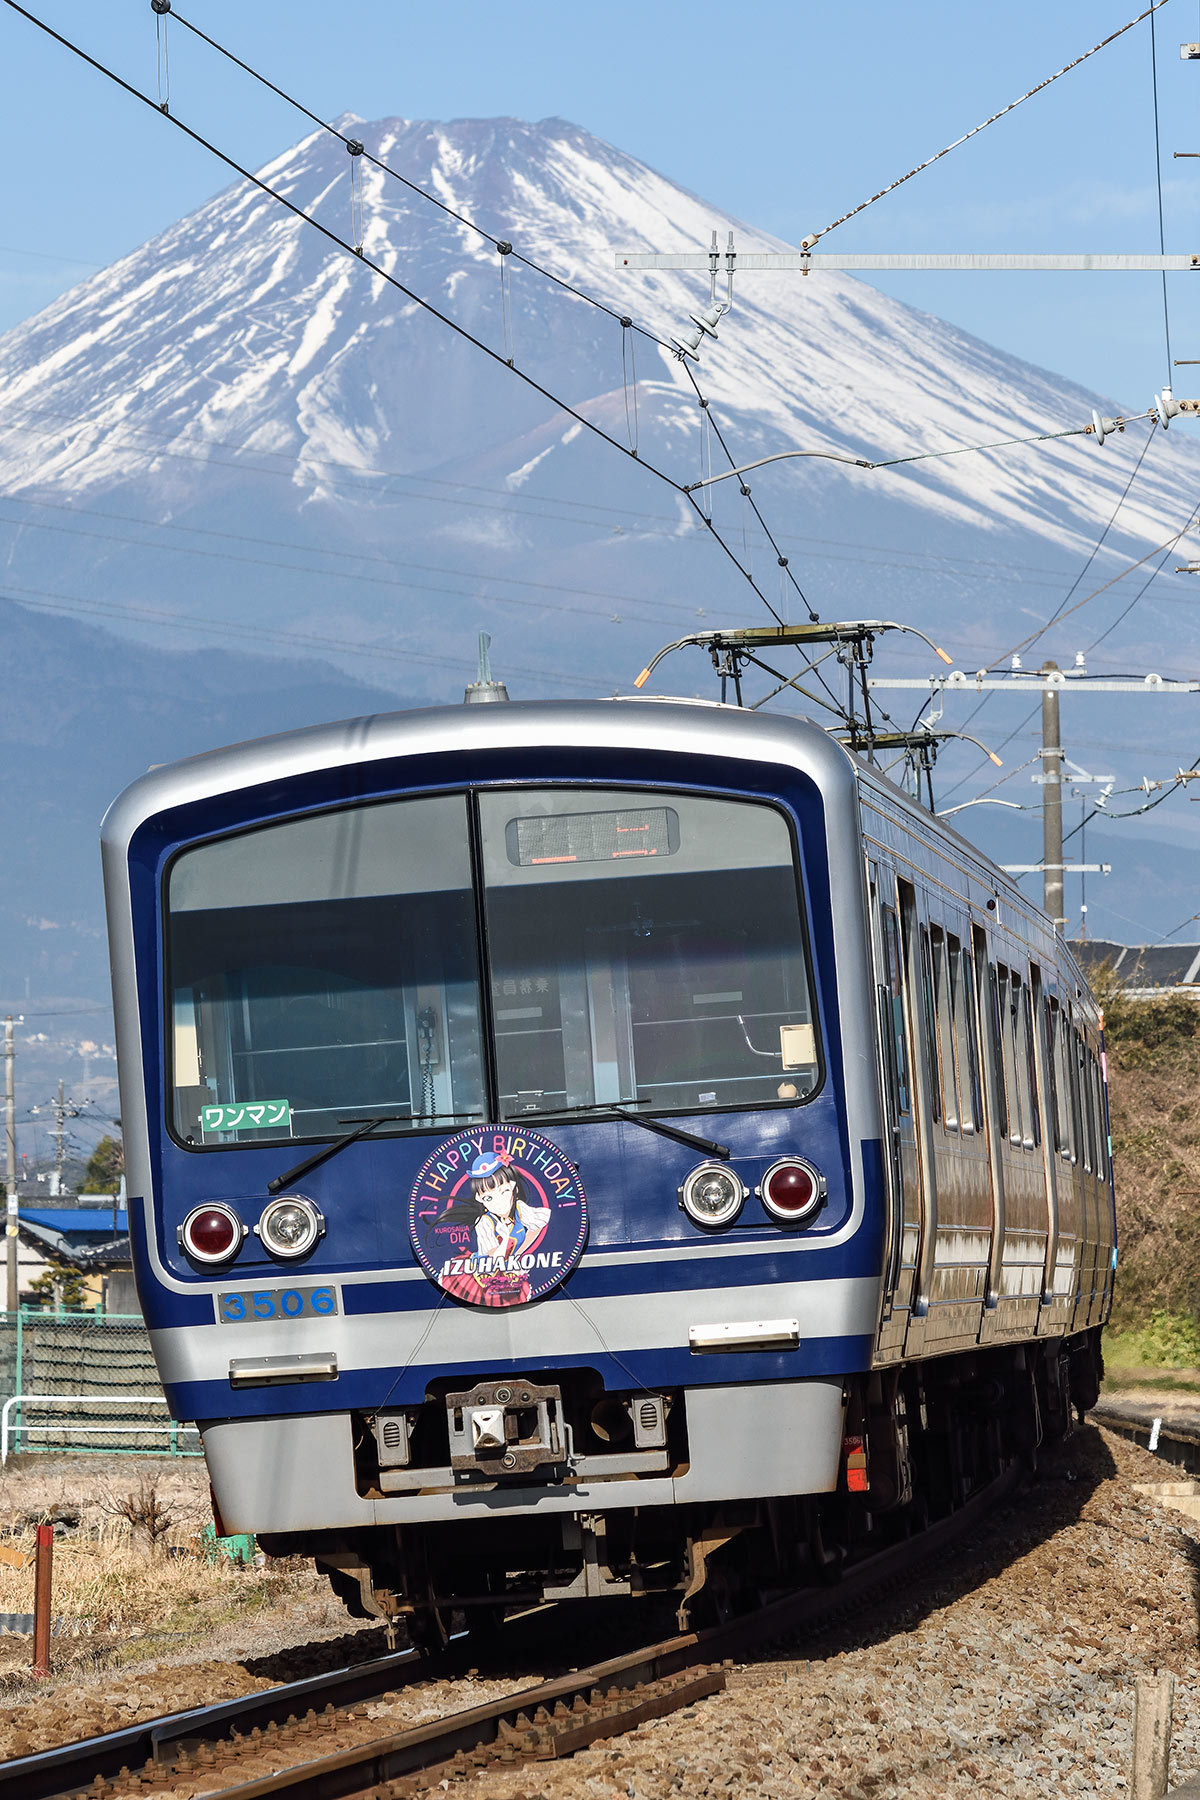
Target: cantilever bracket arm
(763, 637)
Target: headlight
(290, 1226)
(712, 1195)
(211, 1233)
(792, 1190)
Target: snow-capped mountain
(240, 426)
(239, 432)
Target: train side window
(1101, 1164)
(1033, 1123)
(1020, 1066)
(1070, 1130)
(1007, 984)
(895, 967)
(945, 1028)
(1058, 1115)
(1084, 1103)
(1094, 1113)
(966, 1031)
(927, 1013)
(998, 998)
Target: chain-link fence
(83, 1381)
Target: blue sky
(784, 114)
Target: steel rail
(608, 1697)
(157, 1741)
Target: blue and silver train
(614, 1148)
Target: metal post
(10, 1165)
(41, 1599)
(1052, 838)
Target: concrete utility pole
(10, 1164)
(1052, 838)
(59, 1111)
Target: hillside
(1154, 1098)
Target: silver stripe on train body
(560, 1327)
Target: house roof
(88, 1222)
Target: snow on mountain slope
(239, 433)
(238, 426)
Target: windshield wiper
(615, 1110)
(352, 1137)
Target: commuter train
(625, 1148)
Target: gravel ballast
(1014, 1678)
(1011, 1673)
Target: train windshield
(645, 949)
(642, 949)
(324, 972)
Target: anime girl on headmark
(507, 1223)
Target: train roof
(659, 722)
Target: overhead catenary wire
(1162, 242)
(895, 462)
(747, 495)
(376, 268)
(1159, 549)
(46, 600)
(815, 236)
(503, 247)
(603, 611)
(353, 476)
(1064, 602)
(414, 187)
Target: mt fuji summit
(241, 430)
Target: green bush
(1168, 1341)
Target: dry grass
(128, 1555)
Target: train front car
(502, 1113)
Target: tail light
(858, 1478)
(792, 1190)
(212, 1233)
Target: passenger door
(901, 1148)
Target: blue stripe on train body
(640, 1242)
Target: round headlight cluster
(712, 1195)
(211, 1233)
(792, 1190)
(289, 1226)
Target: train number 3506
(276, 1303)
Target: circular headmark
(498, 1217)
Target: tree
(106, 1165)
(59, 1285)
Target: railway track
(1176, 1441)
(299, 1724)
